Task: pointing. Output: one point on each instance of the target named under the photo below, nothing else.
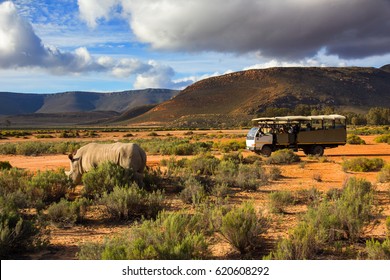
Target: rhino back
(127, 155)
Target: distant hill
(242, 95)
(20, 103)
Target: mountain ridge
(12, 103)
(248, 93)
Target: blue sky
(113, 45)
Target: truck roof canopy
(287, 119)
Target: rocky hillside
(246, 93)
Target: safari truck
(312, 134)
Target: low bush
(354, 208)
(229, 146)
(173, 165)
(38, 148)
(49, 186)
(226, 172)
(17, 235)
(274, 173)
(14, 133)
(170, 236)
(104, 178)
(173, 146)
(242, 226)
(329, 221)
(5, 165)
(388, 225)
(355, 140)
(203, 165)
(249, 177)
(311, 197)
(383, 139)
(302, 243)
(193, 192)
(280, 200)
(44, 136)
(69, 134)
(127, 202)
(384, 174)
(235, 157)
(378, 251)
(221, 190)
(285, 156)
(67, 213)
(363, 164)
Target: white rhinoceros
(127, 155)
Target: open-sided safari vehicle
(312, 134)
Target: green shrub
(193, 192)
(38, 148)
(229, 146)
(226, 172)
(310, 196)
(384, 174)
(279, 200)
(173, 146)
(69, 134)
(5, 165)
(90, 251)
(8, 149)
(334, 194)
(328, 222)
(249, 177)
(16, 234)
(173, 165)
(203, 165)
(49, 186)
(13, 188)
(31, 148)
(170, 236)
(383, 139)
(236, 158)
(124, 203)
(354, 208)
(355, 140)
(302, 243)
(363, 164)
(67, 213)
(378, 251)
(274, 173)
(241, 227)
(221, 190)
(44, 136)
(104, 178)
(388, 226)
(251, 159)
(285, 156)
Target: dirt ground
(64, 242)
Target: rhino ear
(70, 156)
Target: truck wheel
(307, 150)
(317, 150)
(266, 151)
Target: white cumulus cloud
(20, 47)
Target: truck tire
(266, 151)
(317, 150)
(307, 150)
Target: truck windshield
(252, 133)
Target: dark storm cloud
(288, 29)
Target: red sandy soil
(64, 243)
